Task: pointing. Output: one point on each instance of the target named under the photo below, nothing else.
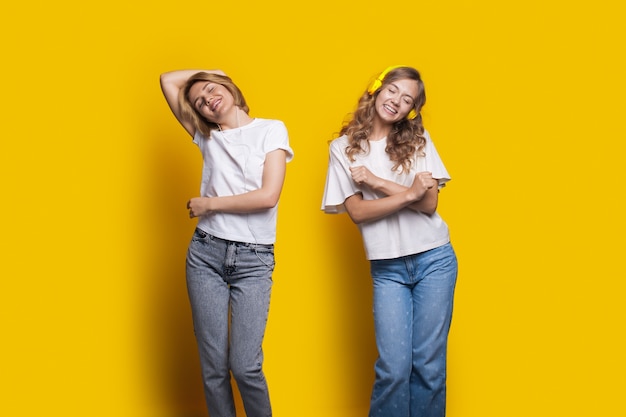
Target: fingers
(358, 174)
(191, 213)
(362, 175)
(426, 179)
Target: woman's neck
(379, 131)
(235, 119)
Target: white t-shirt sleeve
(339, 183)
(434, 163)
(278, 138)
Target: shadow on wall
(174, 356)
(353, 323)
(337, 330)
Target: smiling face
(395, 100)
(211, 100)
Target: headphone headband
(378, 82)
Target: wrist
(413, 196)
(379, 184)
(208, 205)
(410, 196)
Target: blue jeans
(413, 298)
(230, 278)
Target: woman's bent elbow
(270, 201)
(430, 210)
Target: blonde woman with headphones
(385, 172)
(230, 259)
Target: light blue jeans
(413, 297)
(233, 279)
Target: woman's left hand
(198, 206)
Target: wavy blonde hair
(188, 110)
(406, 139)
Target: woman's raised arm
(171, 83)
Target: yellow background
(525, 104)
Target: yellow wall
(525, 103)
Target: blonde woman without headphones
(385, 172)
(230, 259)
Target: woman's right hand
(362, 175)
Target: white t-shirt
(233, 164)
(405, 232)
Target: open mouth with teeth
(214, 103)
(390, 109)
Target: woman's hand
(198, 206)
(361, 175)
(422, 182)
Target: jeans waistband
(204, 234)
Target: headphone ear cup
(378, 82)
(412, 115)
(375, 86)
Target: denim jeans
(233, 279)
(413, 297)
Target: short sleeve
(339, 183)
(434, 163)
(278, 138)
(198, 138)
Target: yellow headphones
(378, 82)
